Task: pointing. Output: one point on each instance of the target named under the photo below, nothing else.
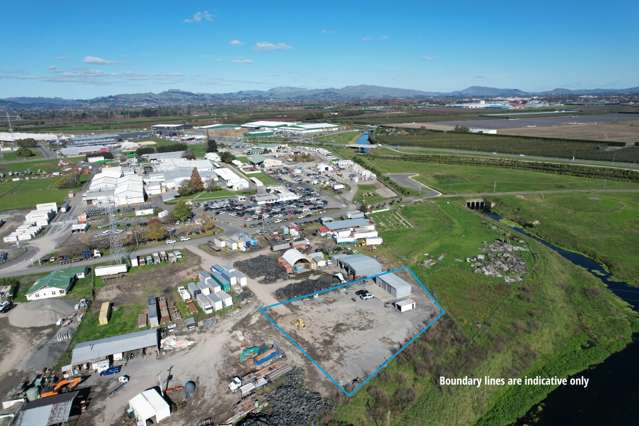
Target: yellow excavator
(299, 323)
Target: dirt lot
(350, 337)
(138, 285)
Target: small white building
(149, 405)
(405, 305)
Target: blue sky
(70, 49)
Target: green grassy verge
(452, 179)
(342, 138)
(602, 226)
(37, 165)
(557, 322)
(588, 150)
(366, 194)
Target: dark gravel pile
(305, 287)
(291, 404)
(264, 267)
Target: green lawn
(267, 180)
(557, 322)
(26, 193)
(124, 319)
(342, 138)
(37, 165)
(602, 226)
(13, 156)
(213, 195)
(366, 194)
(452, 179)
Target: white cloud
(96, 60)
(94, 77)
(328, 31)
(427, 58)
(235, 42)
(242, 61)
(199, 17)
(54, 69)
(267, 45)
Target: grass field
(366, 195)
(343, 138)
(44, 165)
(508, 145)
(452, 179)
(267, 180)
(602, 226)
(13, 156)
(124, 319)
(557, 322)
(26, 193)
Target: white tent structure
(149, 405)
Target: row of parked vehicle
(172, 256)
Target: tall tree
(227, 157)
(211, 146)
(196, 181)
(182, 211)
(155, 230)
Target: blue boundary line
(263, 310)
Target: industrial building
(55, 284)
(34, 222)
(115, 186)
(265, 128)
(95, 354)
(394, 285)
(358, 265)
(293, 261)
(231, 179)
(53, 410)
(168, 130)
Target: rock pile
(263, 267)
(501, 259)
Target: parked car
(111, 371)
(171, 241)
(184, 238)
(5, 306)
(364, 294)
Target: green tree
(155, 230)
(68, 181)
(182, 211)
(211, 185)
(185, 188)
(24, 152)
(211, 146)
(227, 157)
(196, 181)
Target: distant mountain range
(284, 94)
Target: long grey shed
(338, 225)
(358, 265)
(394, 285)
(96, 350)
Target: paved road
(407, 180)
(23, 268)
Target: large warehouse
(113, 187)
(393, 284)
(289, 128)
(96, 352)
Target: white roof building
(149, 405)
(231, 179)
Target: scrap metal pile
(500, 259)
(264, 267)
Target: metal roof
(292, 256)
(402, 288)
(361, 265)
(336, 225)
(47, 411)
(58, 279)
(98, 349)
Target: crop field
(560, 148)
(455, 179)
(557, 321)
(26, 193)
(602, 226)
(626, 132)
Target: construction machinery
(299, 323)
(252, 352)
(63, 385)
